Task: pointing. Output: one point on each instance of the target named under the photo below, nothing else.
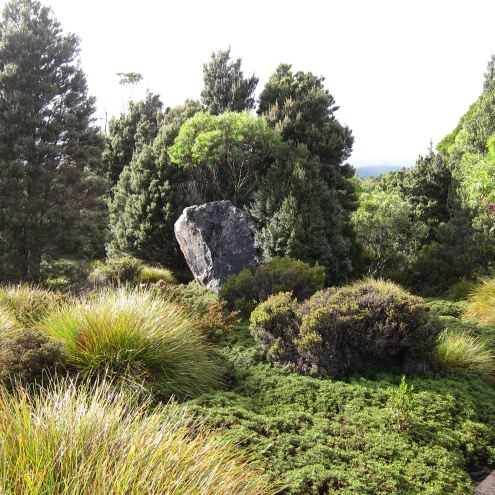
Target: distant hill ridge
(376, 170)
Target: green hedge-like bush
(246, 289)
(337, 331)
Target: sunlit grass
(153, 274)
(481, 302)
(466, 354)
(135, 335)
(94, 439)
(28, 304)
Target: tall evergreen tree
(149, 196)
(50, 152)
(225, 87)
(131, 132)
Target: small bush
(27, 356)
(481, 302)
(92, 439)
(116, 271)
(138, 336)
(367, 324)
(64, 274)
(28, 304)
(213, 319)
(246, 289)
(461, 289)
(126, 270)
(465, 353)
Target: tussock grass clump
(481, 302)
(466, 354)
(154, 274)
(93, 439)
(136, 335)
(28, 304)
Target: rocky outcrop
(217, 240)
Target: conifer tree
(50, 152)
(225, 87)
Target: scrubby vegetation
(332, 383)
(245, 290)
(336, 331)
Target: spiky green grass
(481, 302)
(466, 354)
(28, 304)
(153, 274)
(136, 335)
(94, 439)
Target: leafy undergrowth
(365, 435)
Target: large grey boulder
(217, 240)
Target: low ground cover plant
(95, 439)
(246, 289)
(366, 324)
(361, 436)
(135, 335)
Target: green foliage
(481, 302)
(401, 403)
(154, 274)
(28, 356)
(303, 110)
(66, 275)
(224, 155)
(466, 354)
(27, 305)
(136, 336)
(225, 88)
(51, 190)
(116, 271)
(148, 197)
(300, 216)
(327, 436)
(369, 324)
(130, 132)
(385, 225)
(95, 439)
(246, 289)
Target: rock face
(217, 240)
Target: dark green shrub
(369, 324)
(246, 289)
(27, 355)
(64, 274)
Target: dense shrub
(128, 270)
(116, 271)
(481, 302)
(96, 440)
(336, 331)
(64, 274)
(213, 319)
(135, 335)
(28, 304)
(27, 356)
(246, 289)
(466, 354)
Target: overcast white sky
(402, 72)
